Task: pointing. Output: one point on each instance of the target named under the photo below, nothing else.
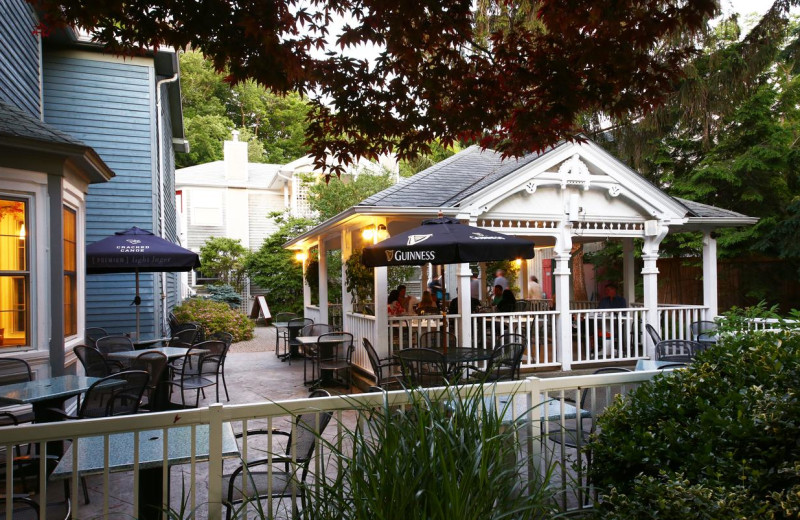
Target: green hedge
(718, 440)
(215, 317)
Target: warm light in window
(301, 257)
(22, 233)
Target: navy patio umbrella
(445, 240)
(138, 251)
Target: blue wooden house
(87, 143)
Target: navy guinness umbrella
(138, 251)
(445, 240)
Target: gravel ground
(263, 341)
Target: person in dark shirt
(508, 302)
(611, 300)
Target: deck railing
(208, 426)
(602, 335)
(360, 326)
(674, 320)
(537, 327)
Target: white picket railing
(674, 320)
(405, 331)
(538, 328)
(360, 326)
(602, 335)
(208, 427)
(312, 311)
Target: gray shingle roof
(18, 123)
(698, 209)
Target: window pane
(14, 278)
(70, 273)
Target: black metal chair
(703, 332)
(504, 365)
(227, 338)
(282, 332)
(654, 335)
(378, 364)
(423, 367)
(437, 339)
(187, 374)
(213, 362)
(679, 350)
(288, 479)
(93, 334)
(110, 344)
(154, 363)
(95, 364)
(295, 325)
(15, 370)
(186, 333)
(522, 306)
(311, 352)
(336, 355)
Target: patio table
(652, 364)
(91, 460)
(44, 394)
(161, 402)
(326, 347)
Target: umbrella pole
(137, 301)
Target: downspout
(162, 230)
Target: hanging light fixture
(375, 233)
(301, 257)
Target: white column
(482, 276)
(710, 274)
(464, 304)
(381, 312)
(322, 251)
(562, 289)
(628, 273)
(650, 281)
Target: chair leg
(225, 385)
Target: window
(14, 272)
(70, 272)
(206, 207)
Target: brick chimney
(235, 158)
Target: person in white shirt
(474, 286)
(500, 279)
(534, 289)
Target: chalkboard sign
(260, 309)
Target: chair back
(316, 329)
(423, 367)
(522, 306)
(93, 334)
(94, 363)
(335, 345)
(596, 399)
(154, 363)
(225, 337)
(309, 426)
(15, 370)
(108, 397)
(215, 356)
(187, 333)
(680, 350)
(510, 337)
(654, 335)
(111, 344)
(506, 361)
(701, 328)
(299, 323)
(172, 321)
(284, 317)
(438, 339)
(374, 361)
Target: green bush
(722, 434)
(215, 317)
(225, 294)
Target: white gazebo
(573, 193)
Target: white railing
(207, 429)
(602, 335)
(360, 326)
(578, 305)
(312, 311)
(674, 320)
(538, 328)
(405, 331)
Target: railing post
(215, 461)
(709, 275)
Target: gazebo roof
(474, 181)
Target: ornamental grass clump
(215, 317)
(455, 458)
(720, 439)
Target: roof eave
(84, 157)
(700, 223)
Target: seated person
(395, 307)
(408, 301)
(507, 302)
(498, 295)
(453, 307)
(426, 304)
(611, 300)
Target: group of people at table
(503, 300)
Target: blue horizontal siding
(109, 105)
(19, 56)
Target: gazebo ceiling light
(376, 234)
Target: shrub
(459, 460)
(224, 294)
(722, 433)
(215, 317)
